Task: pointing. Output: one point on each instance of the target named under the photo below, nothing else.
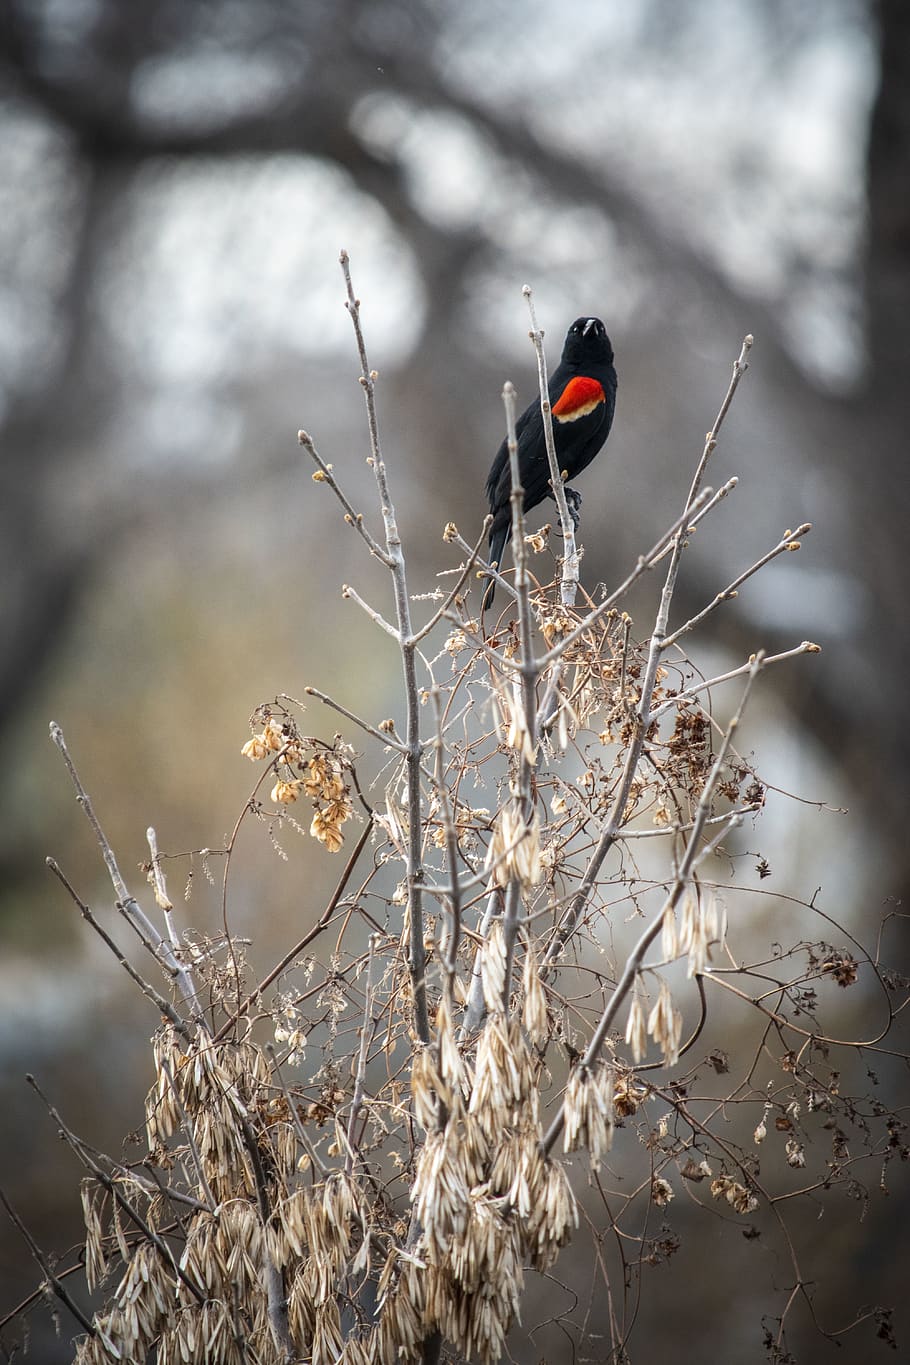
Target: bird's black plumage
(582, 391)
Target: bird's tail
(498, 537)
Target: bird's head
(587, 343)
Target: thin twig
(98, 1171)
(53, 1280)
(307, 939)
(157, 999)
(376, 617)
(740, 365)
(527, 755)
(355, 519)
(806, 647)
(360, 1076)
(704, 507)
(473, 558)
(487, 569)
(161, 896)
(569, 581)
(683, 826)
(130, 906)
(384, 736)
(788, 542)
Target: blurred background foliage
(177, 179)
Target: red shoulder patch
(580, 396)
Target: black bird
(582, 396)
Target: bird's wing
(494, 478)
(499, 483)
(534, 465)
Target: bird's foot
(573, 501)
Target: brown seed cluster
(485, 1205)
(207, 1302)
(486, 1202)
(735, 1192)
(304, 765)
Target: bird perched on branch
(582, 392)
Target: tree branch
(415, 871)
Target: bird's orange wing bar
(580, 396)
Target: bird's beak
(588, 325)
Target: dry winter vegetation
(487, 1043)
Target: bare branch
(160, 883)
(806, 647)
(374, 615)
(53, 1280)
(116, 1193)
(158, 1000)
(303, 943)
(571, 556)
(360, 1078)
(326, 475)
(488, 570)
(131, 908)
(415, 872)
(385, 737)
(789, 541)
(473, 559)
